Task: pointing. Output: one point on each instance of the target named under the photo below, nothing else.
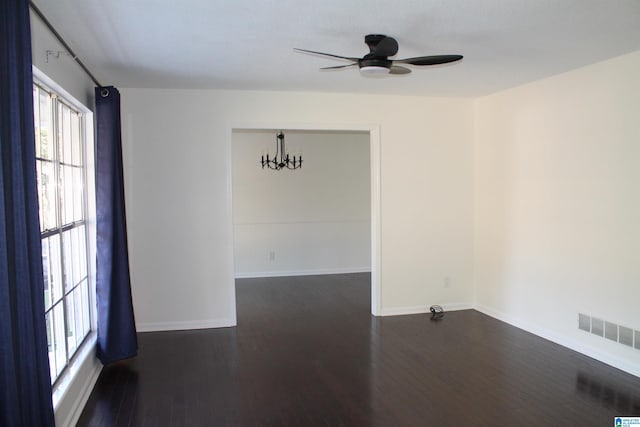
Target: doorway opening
(313, 220)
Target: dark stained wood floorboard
(307, 352)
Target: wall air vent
(609, 330)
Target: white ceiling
(248, 44)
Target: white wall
(557, 227)
(312, 220)
(177, 156)
(59, 65)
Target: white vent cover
(609, 330)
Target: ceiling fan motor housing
(374, 62)
(372, 40)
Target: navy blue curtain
(25, 382)
(117, 338)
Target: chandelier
(281, 160)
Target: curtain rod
(66, 46)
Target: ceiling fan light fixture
(374, 70)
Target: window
(63, 196)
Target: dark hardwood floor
(307, 352)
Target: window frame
(84, 348)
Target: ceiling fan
(377, 61)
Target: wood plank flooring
(307, 352)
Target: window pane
(74, 257)
(69, 127)
(47, 195)
(84, 309)
(66, 193)
(68, 261)
(59, 341)
(36, 117)
(42, 116)
(76, 147)
(78, 190)
(50, 347)
(71, 189)
(64, 133)
(52, 273)
(77, 315)
(70, 304)
(77, 319)
(81, 255)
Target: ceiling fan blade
(429, 60)
(337, 67)
(326, 54)
(388, 46)
(396, 69)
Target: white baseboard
(403, 311)
(457, 306)
(633, 369)
(421, 309)
(185, 325)
(288, 273)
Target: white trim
(376, 223)
(376, 190)
(75, 385)
(231, 259)
(346, 221)
(185, 325)
(254, 275)
(457, 306)
(564, 341)
(403, 311)
(422, 309)
(82, 397)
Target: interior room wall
(557, 206)
(312, 220)
(177, 157)
(50, 57)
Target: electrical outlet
(447, 282)
(272, 256)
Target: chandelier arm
(282, 159)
